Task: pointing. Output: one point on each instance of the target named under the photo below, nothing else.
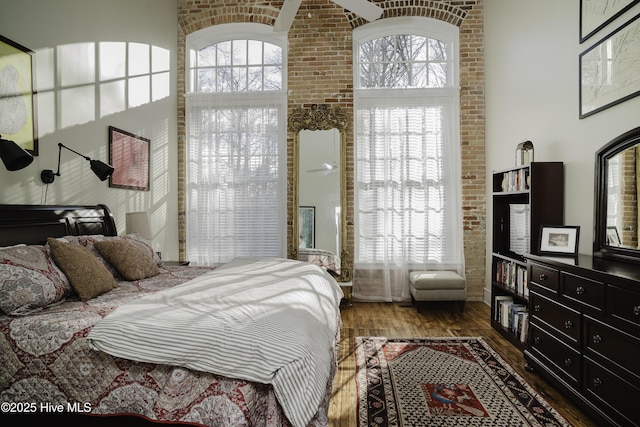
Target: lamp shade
(101, 169)
(138, 222)
(13, 156)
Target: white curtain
(235, 177)
(408, 212)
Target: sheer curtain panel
(408, 195)
(236, 145)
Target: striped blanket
(267, 320)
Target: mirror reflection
(319, 197)
(622, 198)
(318, 188)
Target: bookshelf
(523, 198)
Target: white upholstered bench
(437, 286)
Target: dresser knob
(537, 308)
(597, 339)
(542, 277)
(536, 340)
(636, 310)
(568, 362)
(597, 382)
(568, 324)
(579, 290)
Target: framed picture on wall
(18, 95)
(597, 14)
(129, 156)
(307, 221)
(559, 240)
(610, 70)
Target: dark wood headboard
(32, 224)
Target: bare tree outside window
(403, 61)
(239, 66)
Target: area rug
(443, 381)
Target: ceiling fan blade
(363, 8)
(326, 167)
(323, 170)
(287, 15)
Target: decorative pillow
(90, 240)
(29, 279)
(87, 275)
(131, 261)
(143, 243)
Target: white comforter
(267, 320)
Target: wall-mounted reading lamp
(101, 169)
(13, 156)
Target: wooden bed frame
(32, 224)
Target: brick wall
(629, 197)
(320, 72)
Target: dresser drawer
(560, 318)
(564, 360)
(545, 277)
(616, 346)
(625, 305)
(620, 396)
(586, 292)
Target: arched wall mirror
(318, 188)
(617, 213)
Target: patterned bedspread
(45, 359)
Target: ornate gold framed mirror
(318, 188)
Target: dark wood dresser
(584, 333)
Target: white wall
(81, 93)
(531, 66)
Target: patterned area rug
(440, 382)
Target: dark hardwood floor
(436, 319)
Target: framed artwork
(597, 14)
(559, 240)
(129, 156)
(610, 70)
(613, 238)
(18, 96)
(307, 221)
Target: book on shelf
(509, 311)
(501, 302)
(513, 317)
(523, 327)
(516, 311)
(512, 276)
(515, 180)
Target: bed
(158, 343)
(323, 258)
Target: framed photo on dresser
(559, 240)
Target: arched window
(235, 143)
(407, 154)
